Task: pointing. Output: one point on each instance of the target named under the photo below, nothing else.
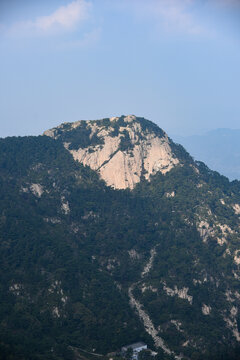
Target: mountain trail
(144, 317)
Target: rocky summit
(111, 234)
(121, 149)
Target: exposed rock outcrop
(181, 293)
(122, 149)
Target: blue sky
(175, 62)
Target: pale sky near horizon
(175, 62)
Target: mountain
(122, 149)
(219, 149)
(112, 234)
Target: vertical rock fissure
(144, 317)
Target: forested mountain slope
(152, 258)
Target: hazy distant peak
(218, 148)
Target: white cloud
(64, 18)
(176, 14)
(172, 15)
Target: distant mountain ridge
(219, 149)
(91, 263)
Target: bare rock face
(122, 149)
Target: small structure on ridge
(134, 348)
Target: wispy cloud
(88, 39)
(172, 15)
(64, 18)
(177, 15)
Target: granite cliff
(124, 149)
